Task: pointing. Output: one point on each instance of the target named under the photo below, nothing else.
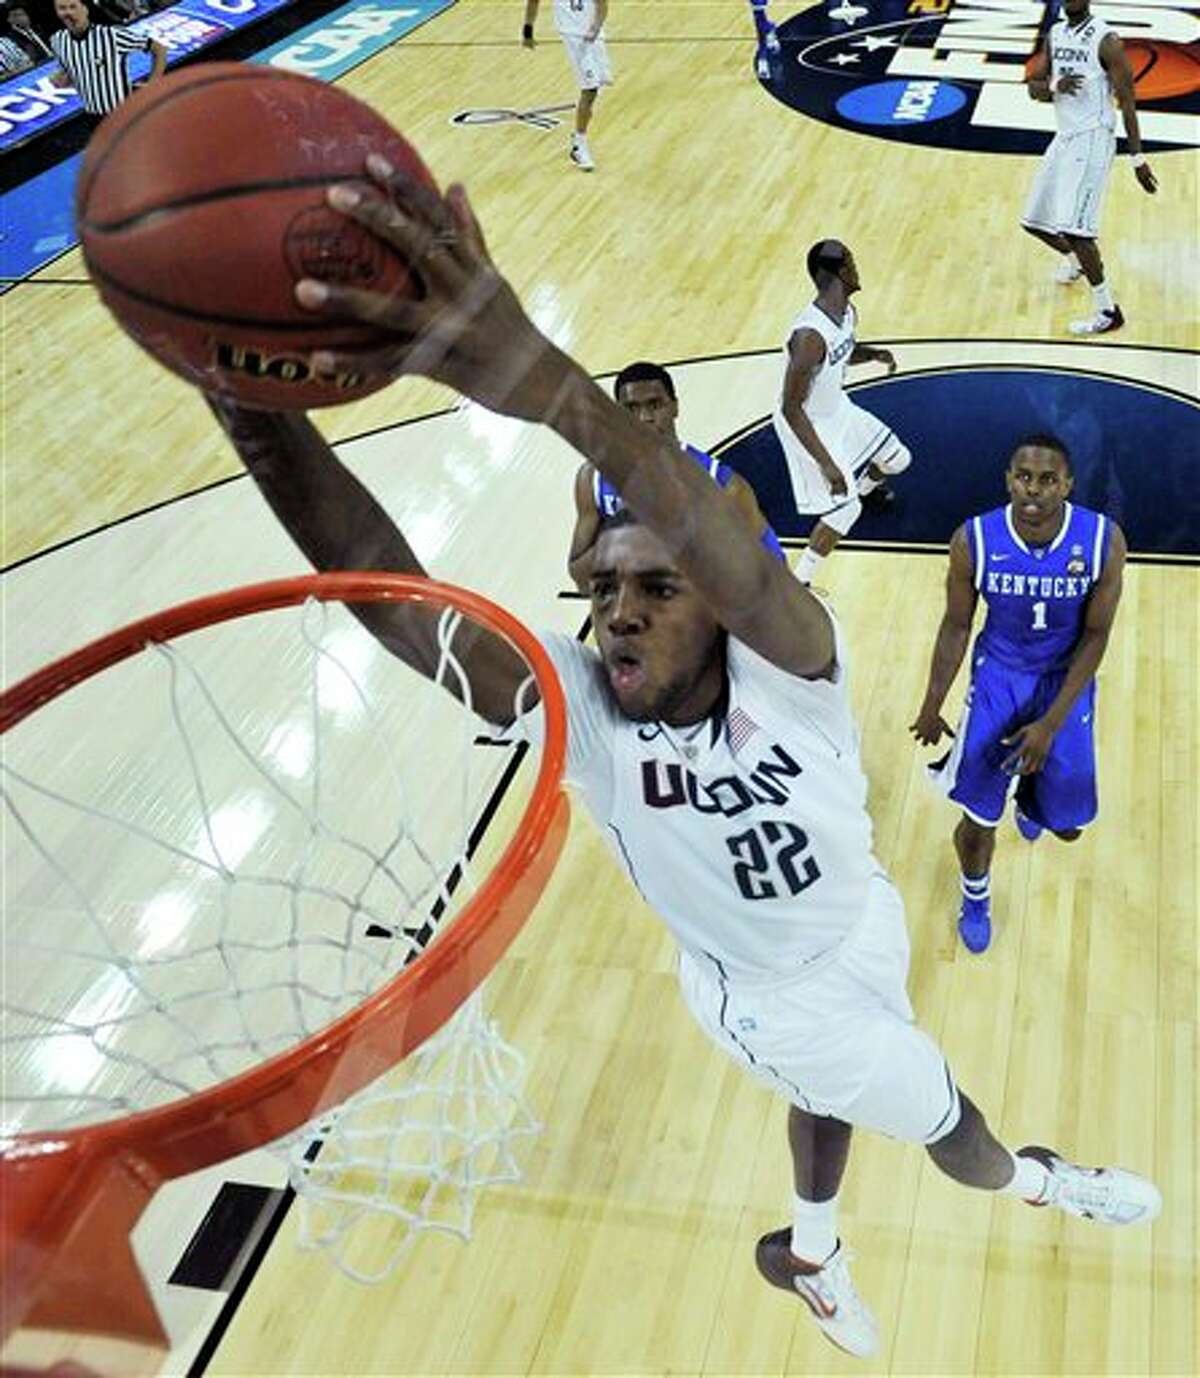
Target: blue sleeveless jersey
(609, 502)
(1036, 596)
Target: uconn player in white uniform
(580, 25)
(711, 737)
(1081, 68)
(836, 453)
(1049, 573)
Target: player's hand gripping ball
(201, 203)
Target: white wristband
(1138, 159)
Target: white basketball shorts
(854, 439)
(589, 61)
(838, 1039)
(1068, 188)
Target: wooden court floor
(630, 1248)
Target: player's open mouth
(625, 673)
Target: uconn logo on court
(1039, 585)
(667, 785)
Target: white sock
(814, 1229)
(976, 887)
(1030, 1179)
(1103, 297)
(808, 564)
(867, 484)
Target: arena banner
(30, 102)
(335, 44)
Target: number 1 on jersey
(1039, 617)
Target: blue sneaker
(1028, 829)
(975, 924)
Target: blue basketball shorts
(1060, 796)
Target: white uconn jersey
(827, 396)
(574, 17)
(751, 840)
(1077, 52)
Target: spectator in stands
(21, 33)
(95, 58)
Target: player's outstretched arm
(339, 526)
(951, 643)
(469, 331)
(1116, 64)
(1030, 744)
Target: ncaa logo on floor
(951, 73)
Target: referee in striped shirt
(94, 58)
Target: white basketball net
(217, 847)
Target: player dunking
(580, 25)
(711, 737)
(1081, 67)
(836, 453)
(647, 392)
(1050, 574)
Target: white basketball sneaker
(827, 1291)
(1107, 1194)
(1067, 272)
(581, 155)
(1099, 324)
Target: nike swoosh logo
(814, 1299)
(999, 557)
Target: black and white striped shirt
(97, 64)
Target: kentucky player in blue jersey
(647, 392)
(1050, 574)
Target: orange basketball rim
(69, 1200)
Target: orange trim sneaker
(1107, 1194)
(826, 1290)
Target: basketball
(1161, 70)
(200, 205)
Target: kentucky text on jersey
(1033, 586)
(1036, 596)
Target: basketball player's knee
(974, 841)
(1068, 834)
(844, 517)
(897, 462)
